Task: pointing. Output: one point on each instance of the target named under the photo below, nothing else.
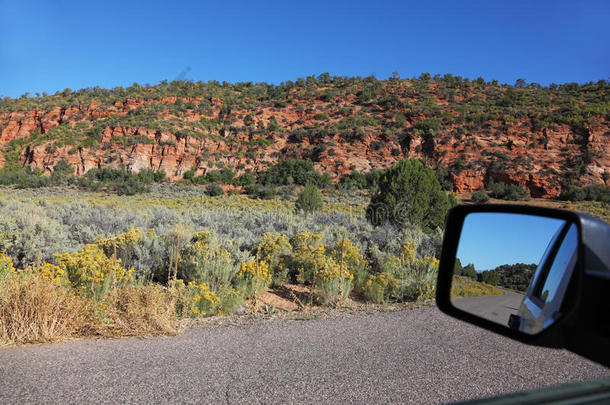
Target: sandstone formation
(177, 141)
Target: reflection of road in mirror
(498, 255)
(496, 308)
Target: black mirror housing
(584, 324)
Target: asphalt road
(497, 308)
(411, 356)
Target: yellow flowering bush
(380, 288)
(348, 256)
(230, 299)
(253, 277)
(274, 249)
(392, 265)
(255, 269)
(306, 239)
(205, 237)
(6, 266)
(205, 302)
(416, 277)
(334, 284)
(424, 272)
(91, 272)
(200, 261)
(52, 272)
(113, 246)
(314, 267)
(306, 260)
(407, 253)
(345, 251)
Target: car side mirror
(530, 273)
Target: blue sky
(52, 45)
(489, 240)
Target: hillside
(470, 132)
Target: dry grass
(596, 209)
(466, 287)
(137, 310)
(34, 310)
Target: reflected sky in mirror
(489, 240)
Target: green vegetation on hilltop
(512, 276)
(440, 109)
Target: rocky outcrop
(177, 142)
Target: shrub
(91, 273)
(246, 179)
(273, 125)
(224, 176)
(427, 127)
(201, 261)
(119, 180)
(349, 258)
(128, 187)
(361, 180)
(33, 309)
(136, 310)
(333, 283)
(408, 193)
(274, 249)
(119, 245)
(214, 190)
(330, 281)
(505, 191)
(261, 192)
(159, 176)
(380, 288)
(145, 253)
(229, 300)
(305, 239)
(377, 145)
(489, 277)
(407, 278)
(253, 277)
(6, 266)
(467, 287)
(31, 232)
(189, 174)
(309, 199)
(292, 171)
(205, 302)
(588, 193)
(479, 197)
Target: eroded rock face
(468, 181)
(537, 161)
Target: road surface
(497, 308)
(412, 356)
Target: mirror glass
(513, 269)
